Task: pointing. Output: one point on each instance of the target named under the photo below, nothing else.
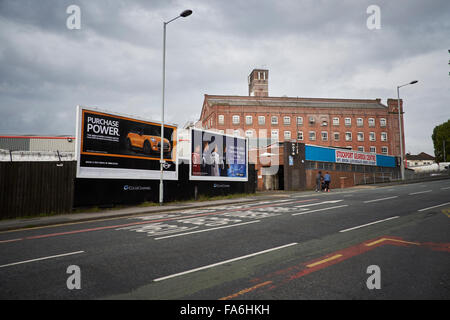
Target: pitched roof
(420, 156)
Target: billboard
(218, 157)
(356, 157)
(115, 146)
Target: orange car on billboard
(137, 139)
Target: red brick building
(360, 124)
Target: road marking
(323, 209)
(11, 240)
(315, 204)
(445, 188)
(244, 291)
(439, 205)
(324, 260)
(39, 259)
(368, 201)
(411, 194)
(389, 239)
(224, 262)
(206, 230)
(368, 224)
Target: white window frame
(383, 122)
(384, 137)
(263, 122)
(312, 119)
(338, 136)
(248, 120)
(300, 135)
(313, 138)
(361, 148)
(384, 148)
(335, 121)
(233, 119)
(371, 122)
(346, 139)
(288, 122)
(359, 122)
(221, 119)
(373, 149)
(249, 133)
(274, 134)
(360, 136)
(372, 136)
(322, 136)
(300, 121)
(272, 118)
(348, 122)
(285, 137)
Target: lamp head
(186, 13)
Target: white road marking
(315, 204)
(224, 262)
(323, 209)
(368, 224)
(445, 188)
(368, 201)
(39, 259)
(205, 230)
(411, 194)
(439, 205)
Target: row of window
(236, 119)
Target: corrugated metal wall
(37, 144)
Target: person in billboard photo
(196, 161)
(224, 165)
(215, 157)
(206, 159)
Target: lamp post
(183, 14)
(402, 163)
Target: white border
(111, 173)
(217, 178)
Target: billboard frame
(217, 178)
(121, 173)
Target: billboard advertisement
(115, 146)
(218, 157)
(356, 157)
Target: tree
(440, 134)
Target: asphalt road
(294, 246)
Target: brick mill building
(365, 125)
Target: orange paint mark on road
(247, 290)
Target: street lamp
(183, 14)
(402, 164)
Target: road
(295, 246)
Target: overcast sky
(312, 48)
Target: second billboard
(218, 157)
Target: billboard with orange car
(116, 146)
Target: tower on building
(258, 83)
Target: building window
(221, 119)
(235, 119)
(249, 133)
(300, 120)
(236, 133)
(336, 136)
(360, 136)
(324, 136)
(360, 148)
(371, 122)
(384, 136)
(274, 134)
(373, 149)
(312, 120)
(348, 121)
(274, 120)
(359, 122)
(287, 121)
(382, 122)
(384, 150)
(222, 131)
(312, 135)
(372, 136)
(348, 136)
(300, 135)
(287, 135)
(261, 120)
(335, 121)
(248, 119)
